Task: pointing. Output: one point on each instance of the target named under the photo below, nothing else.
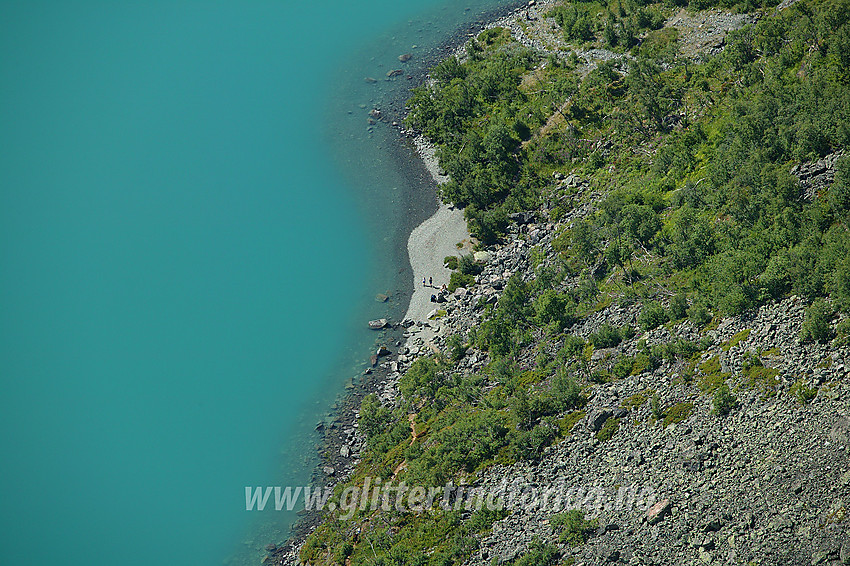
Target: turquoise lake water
(194, 220)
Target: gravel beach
(430, 242)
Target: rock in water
(377, 324)
(381, 298)
(405, 58)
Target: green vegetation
(802, 392)
(566, 425)
(736, 339)
(686, 163)
(756, 376)
(710, 211)
(635, 401)
(608, 429)
(711, 377)
(723, 401)
(574, 529)
(652, 316)
(677, 413)
(541, 555)
(816, 326)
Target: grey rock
(840, 430)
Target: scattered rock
(658, 511)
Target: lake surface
(195, 217)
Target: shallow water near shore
(195, 217)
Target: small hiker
(430, 282)
(423, 281)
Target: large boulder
(597, 418)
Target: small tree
(723, 401)
(816, 322)
(652, 316)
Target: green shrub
(644, 362)
(421, 379)
(736, 339)
(554, 310)
(468, 266)
(455, 347)
(816, 322)
(623, 368)
(677, 413)
(842, 332)
(711, 377)
(635, 401)
(574, 529)
(657, 412)
(802, 392)
(698, 314)
(373, 416)
(538, 555)
(761, 378)
(459, 279)
(606, 337)
(450, 261)
(566, 424)
(608, 429)
(678, 307)
(723, 401)
(566, 392)
(652, 316)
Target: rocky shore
(767, 483)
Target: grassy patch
(635, 401)
(608, 429)
(677, 413)
(736, 339)
(711, 377)
(761, 378)
(803, 393)
(566, 424)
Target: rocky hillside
(645, 361)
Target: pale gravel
(431, 241)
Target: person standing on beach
(423, 281)
(430, 281)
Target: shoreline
(443, 234)
(339, 443)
